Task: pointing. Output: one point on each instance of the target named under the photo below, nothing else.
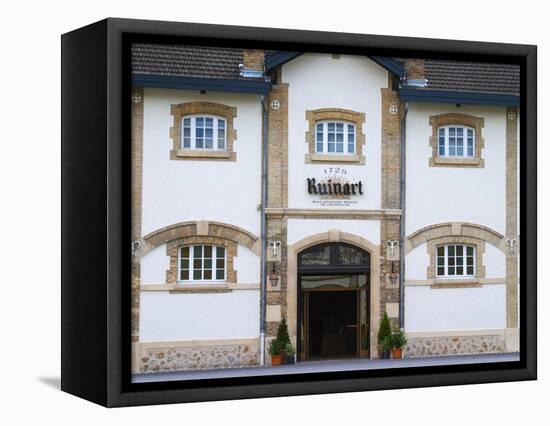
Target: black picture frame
(96, 210)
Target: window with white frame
(455, 260)
(203, 132)
(201, 263)
(456, 141)
(334, 137)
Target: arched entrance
(333, 302)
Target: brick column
(277, 197)
(391, 199)
(136, 206)
(512, 217)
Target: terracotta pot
(397, 353)
(278, 359)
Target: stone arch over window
(333, 236)
(455, 233)
(228, 113)
(441, 120)
(337, 114)
(200, 228)
(200, 232)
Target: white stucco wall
(444, 194)
(351, 82)
(181, 190)
(154, 265)
(494, 260)
(181, 317)
(299, 229)
(247, 264)
(416, 263)
(428, 309)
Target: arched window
(333, 256)
(203, 132)
(334, 137)
(456, 141)
(201, 263)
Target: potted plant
(277, 352)
(399, 340)
(384, 331)
(387, 344)
(278, 346)
(289, 352)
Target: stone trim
(191, 108)
(438, 282)
(391, 110)
(459, 229)
(188, 288)
(292, 277)
(458, 283)
(189, 229)
(333, 213)
(172, 251)
(391, 147)
(357, 118)
(136, 206)
(277, 179)
(512, 118)
(477, 123)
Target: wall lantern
(393, 274)
(274, 276)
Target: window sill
(456, 162)
(206, 287)
(335, 158)
(456, 283)
(202, 155)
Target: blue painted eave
(273, 60)
(209, 84)
(390, 64)
(449, 97)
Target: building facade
(325, 189)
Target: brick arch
(458, 230)
(201, 228)
(333, 236)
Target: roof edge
(451, 97)
(198, 83)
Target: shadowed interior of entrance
(332, 324)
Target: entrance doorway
(332, 320)
(333, 302)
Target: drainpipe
(402, 228)
(263, 231)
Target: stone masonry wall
(198, 357)
(445, 345)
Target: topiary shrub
(282, 333)
(385, 329)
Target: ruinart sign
(329, 187)
(334, 189)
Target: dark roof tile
(223, 63)
(187, 61)
(472, 77)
